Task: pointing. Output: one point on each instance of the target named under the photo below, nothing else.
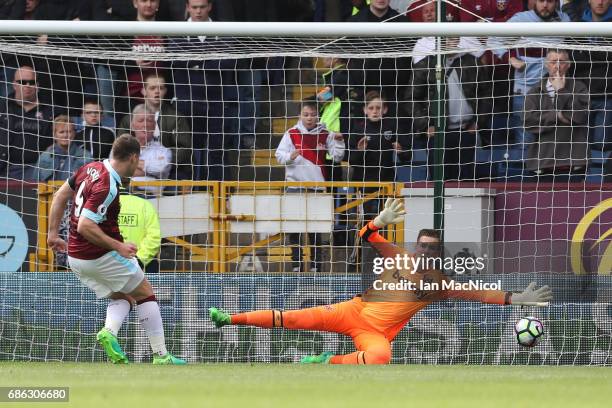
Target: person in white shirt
(302, 150)
(155, 159)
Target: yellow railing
(217, 253)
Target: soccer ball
(528, 330)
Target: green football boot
(219, 318)
(322, 358)
(167, 359)
(111, 347)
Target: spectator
(60, 80)
(594, 68)
(389, 76)
(302, 151)
(94, 137)
(146, 10)
(25, 127)
(373, 146)
(575, 9)
(30, 9)
(424, 11)
(335, 99)
(9, 10)
(155, 159)
(139, 223)
(201, 87)
(498, 11)
(528, 63)
(335, 95)
(468, 110)
(557, 110)
(171, 129)
(126, 10)
(106, 72)
(12, 9)
(63, 157)
(250, 73)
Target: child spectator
(302, 150)
(373, 146)
(94, 137)
(63, 157)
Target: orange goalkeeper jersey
(389, 310)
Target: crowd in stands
(547, 108)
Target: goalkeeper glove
(392, 214)
(532, 297)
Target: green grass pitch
(289, 386)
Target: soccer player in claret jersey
(97, 253)
(374, 318)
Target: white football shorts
(107, 274)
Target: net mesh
(527, 174)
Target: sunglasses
(26, 82)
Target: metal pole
(253, 29)
(438, 170)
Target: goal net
(501, 139)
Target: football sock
(307, 319)
(150, 319)
(116, 312)
(361, 357)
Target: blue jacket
(57, 164)
(588, 15)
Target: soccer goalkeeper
(374, 318)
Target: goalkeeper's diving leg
(344, 318)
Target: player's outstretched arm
(532, 296)
(529, 297)
(58, 205)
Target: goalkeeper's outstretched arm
(529, 297)
(394, 212)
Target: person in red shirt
(97, 253)
(498, 11)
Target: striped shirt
(96, 197)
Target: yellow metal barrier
(220, 253)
